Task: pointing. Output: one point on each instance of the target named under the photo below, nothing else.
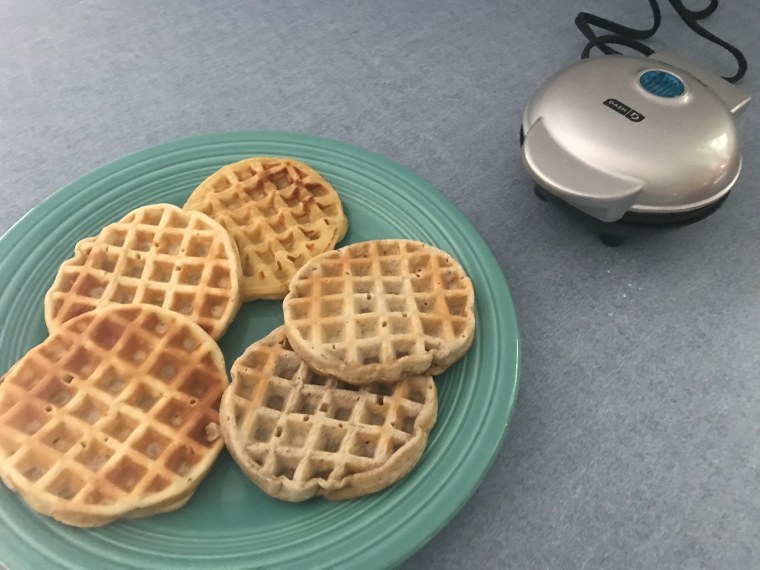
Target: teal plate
(229, 522)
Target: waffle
(378, 311)
(114, 415)
(159, 254)
(297, 434)
(280, 212)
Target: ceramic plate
(229, 522)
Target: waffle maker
(631, 142)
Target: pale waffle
(279, 211)
(114, 415)
(158, 254)
(378, 311)
(297, 434)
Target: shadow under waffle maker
(628, 144)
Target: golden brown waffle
(297, 434)
(378, 311)
(114, 415)
(279, 211)
(159, 254)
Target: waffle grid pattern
(160, 255)
(298, 434)
(112, 415)
(378, 310)
(280, 213)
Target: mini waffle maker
(630, 140)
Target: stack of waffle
(123, 409)
(340, 401)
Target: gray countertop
(636, 437)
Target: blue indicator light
(662, 83)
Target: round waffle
(378, 311)
(159, 254)
(279, 211)
(297, 434)
(114, 415)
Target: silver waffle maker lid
(616, 134)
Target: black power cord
(631, 37)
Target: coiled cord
(631, 37)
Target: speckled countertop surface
(636, 438)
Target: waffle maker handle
(601, 194)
